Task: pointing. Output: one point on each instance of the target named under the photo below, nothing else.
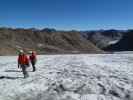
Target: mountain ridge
(45, 41)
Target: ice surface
(69, 77)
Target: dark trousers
(25, 73)
(33, 65)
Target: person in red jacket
(23, 62)
(33, 60)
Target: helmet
(21, 51)
(30, 52)
(33, 52)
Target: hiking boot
(26, 76)
(34, 69)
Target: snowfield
(69, 77)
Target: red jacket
(23, 59)
(33, 57)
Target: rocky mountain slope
(125, 44)
(103, 38)
(44, 41)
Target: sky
(67, 14)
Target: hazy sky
(67, 14)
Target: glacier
(69, 77)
